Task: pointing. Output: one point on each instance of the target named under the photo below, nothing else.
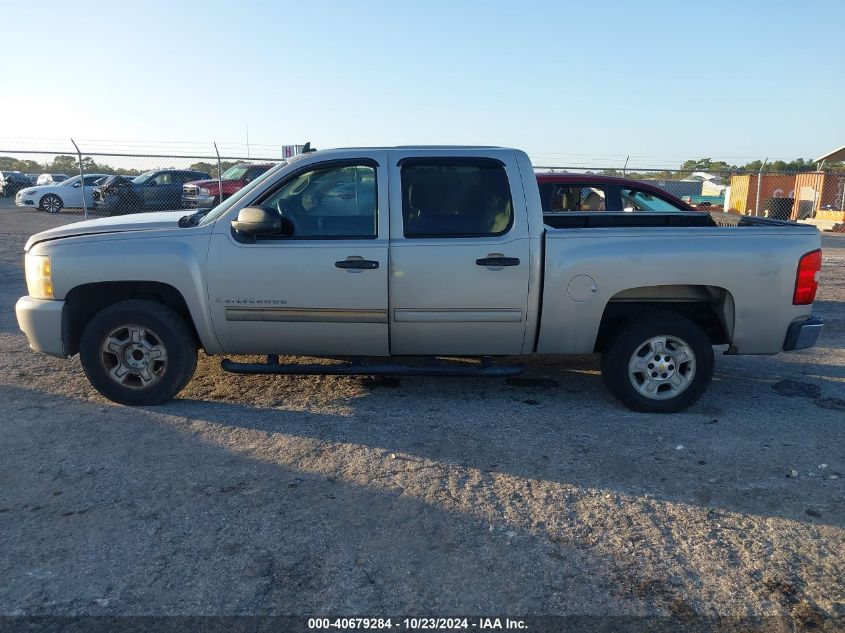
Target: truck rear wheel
(138, 352)
(659, 364)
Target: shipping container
(744, 192)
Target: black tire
(635, 338)
(162, 327)
(51, 203)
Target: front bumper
(23, 200)
(109, 200)
(197, 202)
(109, 204)
(803, 334)
(41, 321)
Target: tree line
(67, 164)
(723, 168)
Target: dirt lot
(332, 495)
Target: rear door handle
(498, 261)
(360, 264)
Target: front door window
(329, 203)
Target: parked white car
(52, 198)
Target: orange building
(822, 193)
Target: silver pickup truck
(433, 252)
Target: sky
(567, 82)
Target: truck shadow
(734, 450)
(735, 457)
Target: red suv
(206, 193)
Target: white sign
(291, 150)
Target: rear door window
(576, 198)
(453, 198)
(164, 178)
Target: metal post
(759, 182)
(842, 202)
(81, 178)
(625, 166)
(219, 175)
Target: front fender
(177, 260)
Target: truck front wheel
(138, 352)
(658, 364)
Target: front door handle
(498, 261)
(359, 264)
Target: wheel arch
(710, 307)
(86, 300)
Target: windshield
(138, 180)
(227, 204)
(235, 173)
(68, 182)
(638, 200)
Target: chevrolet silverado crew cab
(364, 256)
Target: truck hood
(120, 224)
(205, 183)
(115, 181)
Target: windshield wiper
(192, 219)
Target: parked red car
(206, 193)
(590, 192)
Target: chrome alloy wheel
(662, 367)
(51, 203)
(134, 356)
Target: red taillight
(806, 281)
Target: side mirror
(255, 221)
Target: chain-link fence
(114, 182)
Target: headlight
(39, 279)
(204, 191)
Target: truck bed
(746, 276)
(603, 219)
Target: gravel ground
(336, 495)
